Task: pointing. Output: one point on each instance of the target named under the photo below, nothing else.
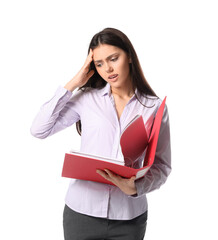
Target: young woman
(111, 91)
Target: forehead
(104, 50)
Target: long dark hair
(115, 37)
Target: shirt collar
(106, 90)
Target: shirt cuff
(61, 91)
(139, 189)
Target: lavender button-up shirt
(101, 131)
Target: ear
(130, 60)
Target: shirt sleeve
(61, 111)
(161, 168)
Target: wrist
(133, 191)
(70, 86)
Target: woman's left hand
(126, 185)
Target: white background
(43, 44)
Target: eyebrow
(107, 57)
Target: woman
(111, 91)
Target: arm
(161, 168)
(61, 111)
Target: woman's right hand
(83, 75)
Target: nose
(108, 68)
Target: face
(112, 64)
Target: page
(134, 140)
(136, 117)
(82, 154)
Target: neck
(125, 91)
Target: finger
(110, 173)
(113, 176)
(90, 52)
(89, 59)
(89, 74)
(103, 174)
(87, 63)
(90, 55)
(133, 178)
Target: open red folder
(134, 142)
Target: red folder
(134, 142)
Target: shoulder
(89, 91)
(153, 103)
(149, 100)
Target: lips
(113, 76)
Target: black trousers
(78, 226)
